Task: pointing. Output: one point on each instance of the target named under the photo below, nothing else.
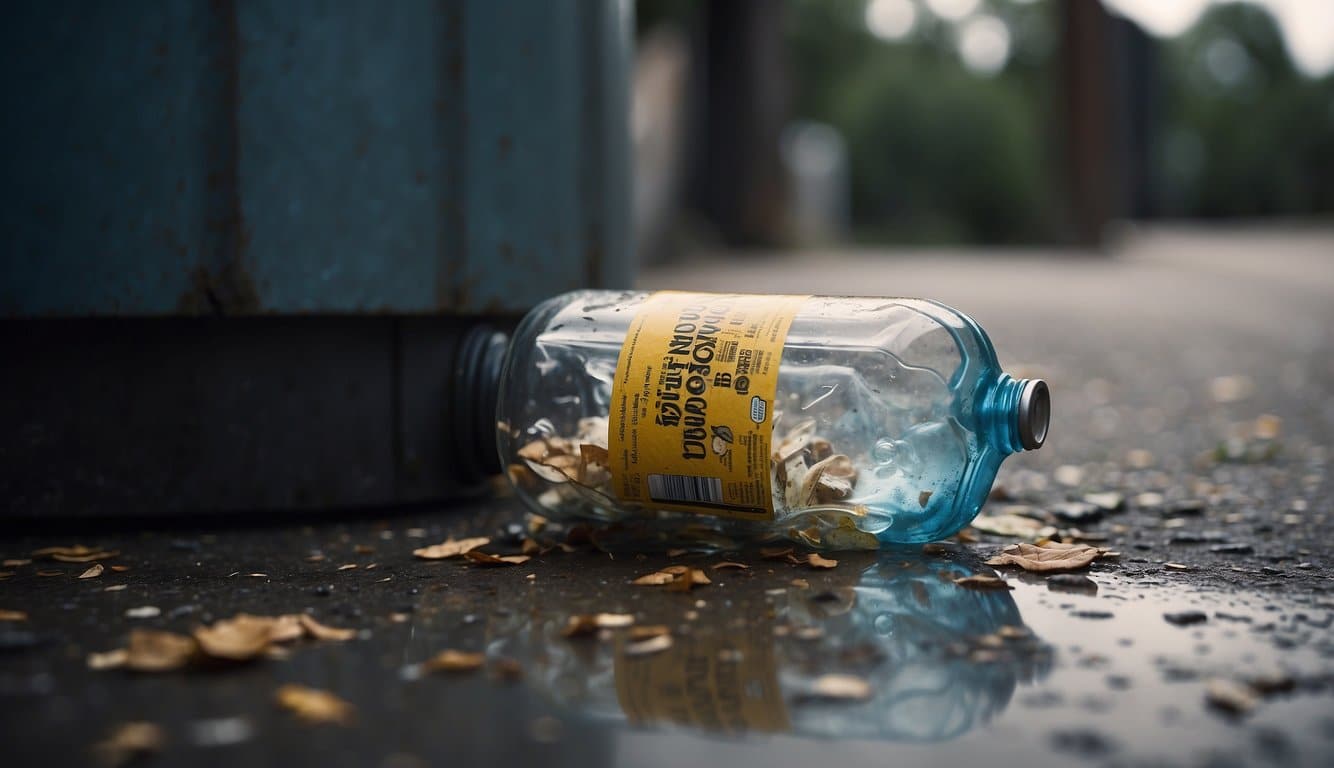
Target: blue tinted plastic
(907, 393)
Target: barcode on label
(685, 488)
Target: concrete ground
(1192, 374)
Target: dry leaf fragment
(614, 620)
(815, 561)
(108, 660)
(16, 563)
(1009, 525)
(647, 631)
(485, 558)
(451, 548)
(982, 581)
(1052, 556)
(151, 650)
(116, 588)
(75, 551)
(49, 572)
(1230, 696)
(315, 706)
(848, 536)
(93, 572)
(728, 564)
(318, 557)
(8, 615)
(323, 632)
(530, 547)
(655, 644)
(347, 566)
(775, 553)
(593, 454)
(654, 579)
(454, 661)
(243, 637)
(840, 688)
(801, 584)
(687, 581)
(128, 741)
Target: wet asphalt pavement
(1192, 433)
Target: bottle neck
(1015, 414)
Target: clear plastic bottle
(897, 405)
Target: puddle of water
(1025, 676)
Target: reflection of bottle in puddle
(939, 659)
(841, 422)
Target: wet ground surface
(1192, 431)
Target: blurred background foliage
(952, 128)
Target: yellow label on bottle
(692, 402)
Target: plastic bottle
(837, 422)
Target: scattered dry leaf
(655, 579)
(16, 563)
(8, 615)
(151, 650)
(323, 632)
(1009, 525)
(1230, 696)
(848, 536)
(75, 554)
(128, 741)
(648, 631)
(1051, 556)
(691, 578)
(840, 688)
(801, 584)
(530, 547)
(318, 557)
(815, 561)
(614, 620)
(485, 558)
(49, 572)
(120, 568)
(775, 553)
(315, 706)
(93, 572)
(454, 661)
(728, 564)
(655, 644)
(116, 588)
(982, 581)
(108, 659)
(242, 637)
(347, 566)
(451, 548)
